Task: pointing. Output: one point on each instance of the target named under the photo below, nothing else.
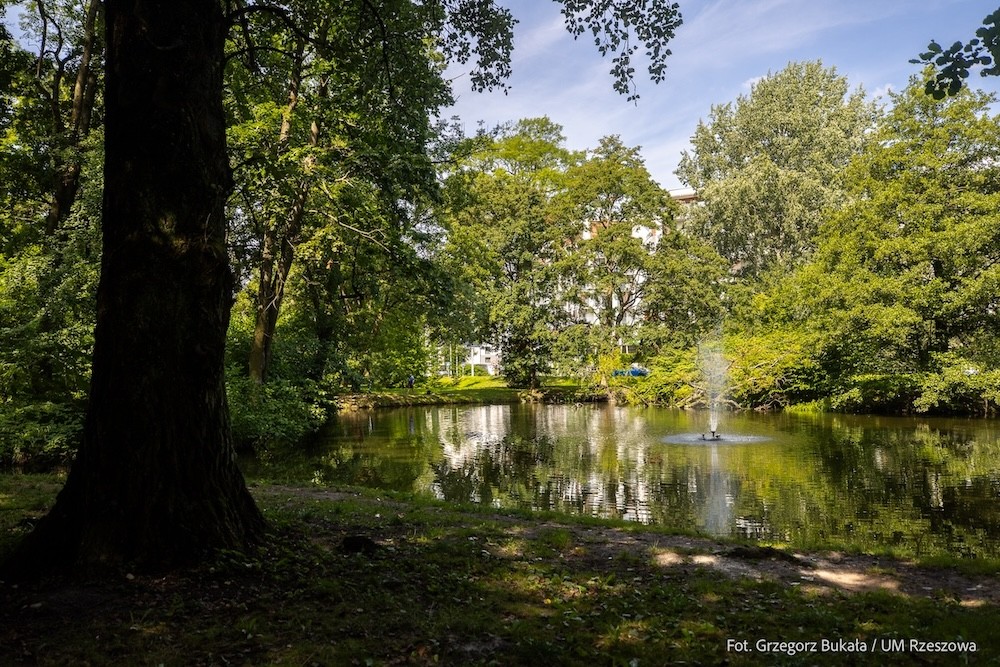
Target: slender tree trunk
(276, 263)
(279, 242)
(267, 310)
(68, 171)
(155, 482)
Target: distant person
(409, 382)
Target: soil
(817, 571)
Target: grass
(478, 389)
(453, 586)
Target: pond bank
(349, 578)
(466, 396)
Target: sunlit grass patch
(552, 541)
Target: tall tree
(65, 80)
(350, 127)
(499, 211)
(79, 116)
(620, 213)
(633, 277)
(921, 229)
(766, 166)
(50, 165)
(155, 480)
(904, 282)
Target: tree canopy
(900, 297)
(766, 166)
(330, 125)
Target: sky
(722, 47)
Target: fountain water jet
(713, 369)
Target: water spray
(713, 367)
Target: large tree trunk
(155, 482)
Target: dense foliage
(899, 305)
(50, 197)
(767, 167)
(846, 255)
(576, 256)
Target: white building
(485, 356)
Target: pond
(926, 485)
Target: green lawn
(463, 586)
(479, 389)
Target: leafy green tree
(620, 214)
(632, 276)
(50, 180)
(343, 148)
(767, 166)
(64, 80)
(505, 240)
(903, 286)
(682, 298)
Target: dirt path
(812, 571)
(817, 571)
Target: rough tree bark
(155, 483)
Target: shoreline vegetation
(875, 395)
(472, 390)
(43, 436)
(354, 577)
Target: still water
(929, 485)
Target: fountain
(713, 422)
(713, 369)
(712, 387)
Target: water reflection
(932, 484)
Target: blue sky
(722, 47)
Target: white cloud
(723, 47)
(882, 92)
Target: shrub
(276, 412)
(40, 435)
(882, 393)
(959, 387)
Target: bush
(672, 380)
(772, 370)
(959, 387)
(40, 435)
(880, 393)
(276, 412)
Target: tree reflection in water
(929, 485)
